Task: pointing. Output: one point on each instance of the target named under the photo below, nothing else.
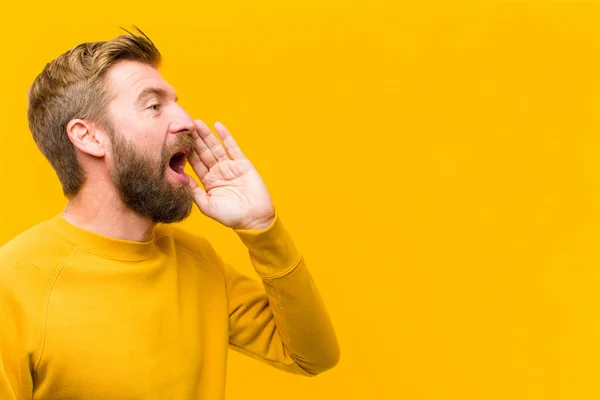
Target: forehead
(127, 79)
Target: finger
(202, 150)
(211, 141)
(230, 144)
(197, 164)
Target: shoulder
(30, 258)
(28, 264)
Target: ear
(86, 137)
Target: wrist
(258, 224)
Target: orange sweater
(84, 316)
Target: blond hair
(72, 86)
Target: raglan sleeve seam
(45, 308)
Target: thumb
(201, 199)
(200, 196)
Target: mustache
(183, 140)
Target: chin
(171, 213)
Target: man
(107, 300)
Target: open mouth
(178, 160)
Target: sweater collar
(101, 245)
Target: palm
(235, 196)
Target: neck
(105, 214)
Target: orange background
(437, 163)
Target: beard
(141, 184)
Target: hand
(235, 195)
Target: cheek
(146, 138)
(152, 131)
(148, 133)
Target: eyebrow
(155, 91)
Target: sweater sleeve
(282, 322)
(15, 383)
(15, 363)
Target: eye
(154, 107)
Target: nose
(181, 122)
